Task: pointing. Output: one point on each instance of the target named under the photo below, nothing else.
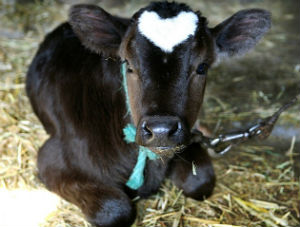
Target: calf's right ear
(98, 30)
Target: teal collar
(136, 178)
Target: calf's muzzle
(161, 132)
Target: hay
(258, 183)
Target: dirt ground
(258, 182)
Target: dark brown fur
(75, 88)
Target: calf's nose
(160, 131)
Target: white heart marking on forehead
(169, 32)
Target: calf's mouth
(164, 151)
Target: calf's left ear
(239, 33)
(98, 30)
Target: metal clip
(219, 146)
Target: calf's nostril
(146, 129)
(174, 128)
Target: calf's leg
(103, 205)
(192, 171)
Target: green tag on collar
(136, 178)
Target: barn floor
(258, 182)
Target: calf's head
(168, 49)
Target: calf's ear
(239, 33)
(98, 30)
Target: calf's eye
(129, 70)
(202, 69)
